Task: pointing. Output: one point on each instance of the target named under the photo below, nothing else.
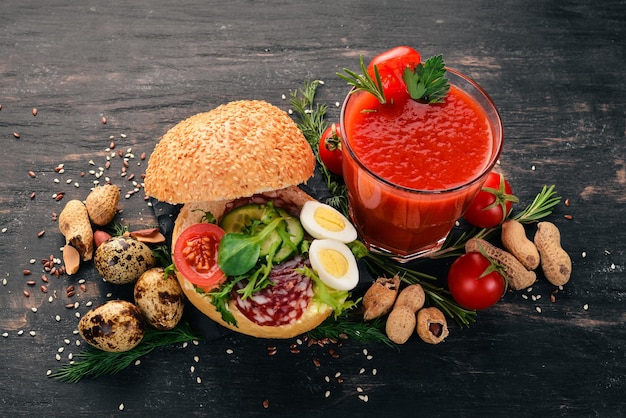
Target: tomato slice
(195, 255)
(391, 65)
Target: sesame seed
(585, 306)
(364, 398)
(196, 359)
(584, 254)
(362, 371)
(229, 351)
(121, 407)
(327, 394)
(538, 309)
(48, 372)
(5, 334)
(32, 333)
(374, 372)
(137, 362)
(192, 369)
(34, 309)
(185, 344)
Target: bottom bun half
(311, 317)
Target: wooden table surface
(555, 70)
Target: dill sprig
(541, 207)
(350, 325)
(95, 363)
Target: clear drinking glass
(412, 222)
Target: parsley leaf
(426, 82)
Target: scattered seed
(26, 293)
(585, 306)
(32, 333)
(32, 195)
(104, 122)
(538, 309)
(41, 233)
(44, 289)
(364, 398)
(316, 362)
(552, 298)
(32, 174)
(569, 217)
(327, 394)
(34, 309)
(16, 134)
(198, 380)
(229, 351)
(567, 202)
(266, 404)
(374, 371)
(48, 372)
(121, 407)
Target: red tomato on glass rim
(391, 65)
(492, 204)
(195, 255)
(330, 149)
(475, 282)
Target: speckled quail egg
(161, 300)
(121, 260)
(323, 221)
(334, 263)
(114, 326)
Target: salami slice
(281, 303)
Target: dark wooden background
(554, 68)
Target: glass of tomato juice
(411, 168)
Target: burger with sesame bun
(251, 250)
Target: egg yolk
(329, 219)
(334, 262)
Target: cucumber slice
(241, 219)
(296, 235)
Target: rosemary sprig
(365, 82)
(541, 207)
(95, 363)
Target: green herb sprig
(365, 82)
(95, 363)
(312, 123)
(351, 326)
(541, 207)
(426, 82)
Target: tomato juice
(413, 168)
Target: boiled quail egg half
(334, 263)
(322, 221)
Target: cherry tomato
(330, 149)
(391, 65)
(492, 204)
(195, 255)
(474, 282)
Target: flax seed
(41, 233)
(26, 272)
(44, 289)
(16, 134)
(26, 293)
(32, 195)
(32, 174)
(34, 111)
(569, 217)
(104, 120)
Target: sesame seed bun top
(235, 150)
